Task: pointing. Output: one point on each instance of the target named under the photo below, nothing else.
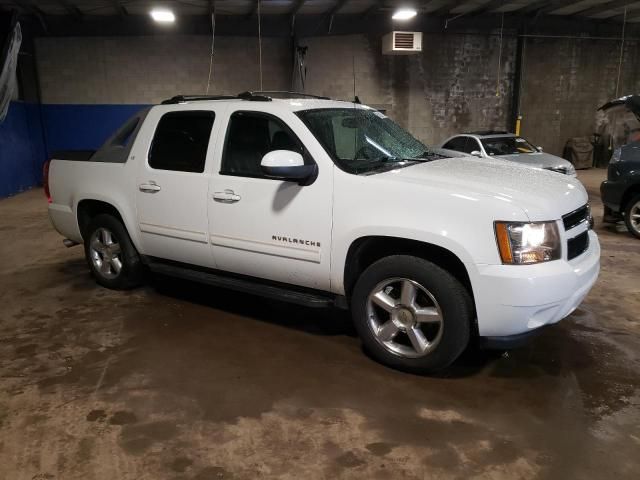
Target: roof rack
(193, 98)
(489, 132)
(254, 97)
(199, 98)
(259, 96)
(289, 94)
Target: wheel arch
(90, 208)
(368, 249)
(631, 192)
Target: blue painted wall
(31, 133)
(83, 127)
(22, 150)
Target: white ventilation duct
(402, 43)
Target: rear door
(172, 184)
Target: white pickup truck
(322, 203)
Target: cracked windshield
(363, 141)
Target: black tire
(633, 207)
(130, 273)
(446, 292)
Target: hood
(631, 102)
(450, 153)
(543, 195)
(538, 160)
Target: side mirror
(539, 149)
(476, 153)
(286, 165)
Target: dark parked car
(621, 191)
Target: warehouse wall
(21, 148)
(565, 81)
(450, 87)
(454, 85)
(144, 70)
(91, 85)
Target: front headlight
(522, 243)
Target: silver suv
(507, 146)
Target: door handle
(228, 196)
(151, 187)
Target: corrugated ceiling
(595, 9)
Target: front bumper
(508, 342)
(611, 193)
(518, 299)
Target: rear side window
(250, 136)
(181, 140)
(459, 144)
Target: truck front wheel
(111, 256)
(411, 314)
(632, 216)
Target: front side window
(362, 141)
(507, 146)
(250, 136)
(181, 141)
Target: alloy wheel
(405, 317)
(634, 217)
(105, 253)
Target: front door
(172, 185)
(267, 228)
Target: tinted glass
(181, 140)
(507, 146)
(362, 140)
(250, 136)
(622, 125)
(459, 144)
(472, 145)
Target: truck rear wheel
(111, 256)
(411, 314)
(632, 216)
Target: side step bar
(308, 299)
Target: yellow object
(518, 123)
(504, 243)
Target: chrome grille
(576, 246)
(575, 218)
(562, 170)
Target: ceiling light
(404, 14)
(163, 16)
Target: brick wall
(453, 86)
(566, 81)
(145, 70)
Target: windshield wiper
(428, 156)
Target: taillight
(45, 180)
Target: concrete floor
(180, 381)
